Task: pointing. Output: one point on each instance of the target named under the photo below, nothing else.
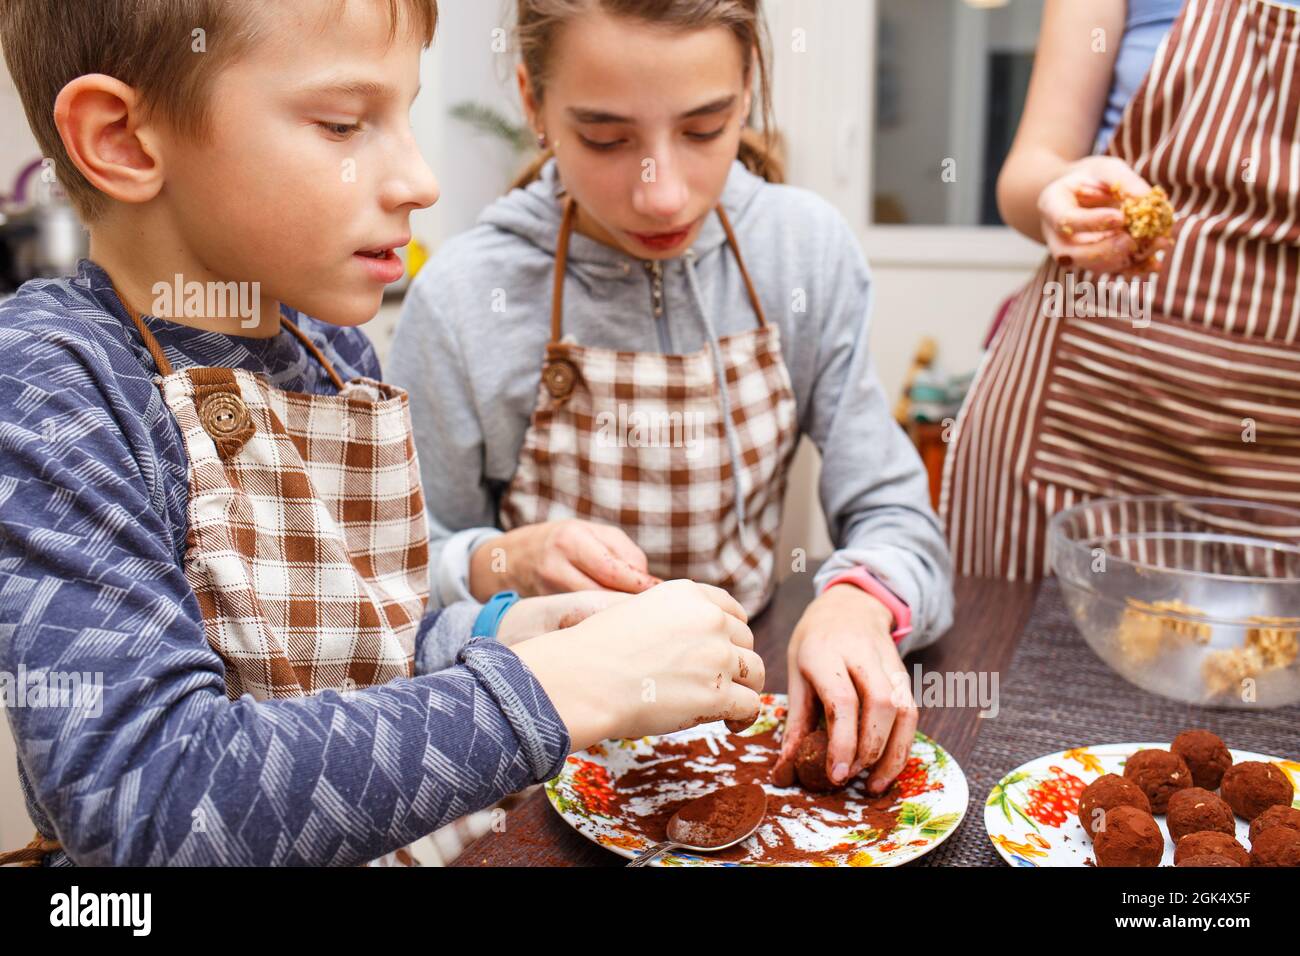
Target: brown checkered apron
(688, 454)
(1203, 401)
(308, 543)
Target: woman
(1189, 386)
(564, 356)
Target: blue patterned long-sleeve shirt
(154, 764)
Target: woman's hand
(842, 655)
(559, 556)
(678, 655)
(1083, 223)
(531, 617)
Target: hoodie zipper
(656, 270)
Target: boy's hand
(559, 556)
(540, 615)
(678, 655)
(842, 656)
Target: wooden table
(991, 614)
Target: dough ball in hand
(810, 763)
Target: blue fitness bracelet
(489, 619)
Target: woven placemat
(1058, 694)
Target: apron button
(559, 377)
(225, 417)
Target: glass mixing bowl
(1197, 599)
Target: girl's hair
(539, 22)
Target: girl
(626, 350)
(1193, 391)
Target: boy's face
(309, 162)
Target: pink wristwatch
(873, 586)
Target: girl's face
(645, 123)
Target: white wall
(17, 145)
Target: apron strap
(744, 272)
(562, 261)
(165, 367)
(32, 854)
(312, 347)
(151, 343)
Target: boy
(210, 510)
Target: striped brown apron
(687, 454)
(1193, 387)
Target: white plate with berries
(1032, 814)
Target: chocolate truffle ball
(1159, 773)
(1210, 842)
(1196, 809)
(1107, 791)
(1276, 816)
(1276, 847)
(810, 763)
(1206, 756)
(1208, 859)
(1253, 786)
(1128, 837)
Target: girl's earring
(541, 140)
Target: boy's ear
(98, 118)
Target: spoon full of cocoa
(713, 822)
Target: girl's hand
(678, 655)
(540, 615)
(1082, 221)
(842, 656)
(555, 557)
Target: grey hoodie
(476, 321)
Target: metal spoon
(679, 829)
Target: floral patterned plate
(1032, 814)
(620, 794)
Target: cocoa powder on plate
(662, 782)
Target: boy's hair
(169, 51)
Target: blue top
(1147, 24)
(163, 768)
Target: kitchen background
(897, 111)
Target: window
(950, 84)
